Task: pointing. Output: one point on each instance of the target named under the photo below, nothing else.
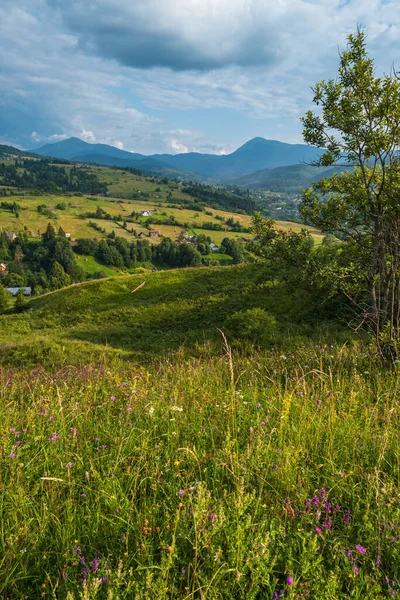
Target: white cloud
(124, 71)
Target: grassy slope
(174, 308)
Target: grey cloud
(178, 34)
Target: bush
(254, 325)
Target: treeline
(43, 176)
(118, 252)
(44, 265)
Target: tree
(359, 128)
(49, 234)
(4, 299)
(20, 301)
(58, 277)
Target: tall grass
(271, 476)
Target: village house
(14, 290)
(214, 247)
(68, 235)
(146, 213)
(245, 239)
(11, 236)
(3, 267)
(153, 233)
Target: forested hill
(43, 176)
(20, 171)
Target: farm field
(70, 221)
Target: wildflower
(112, 398)
(151, 411)
(328, 523)
(181, 492)
(129, 409)
(258, 405)
(289, 580)
(68, 465)
(355, 569)
(347, 517)
(177, 408)
(12, 455)
(117, 511)
(77, 550)
(360, 549)
(318, 530)
(83, 495)
(183, 570)
(63, 574)
(94, 565)
(378, 561)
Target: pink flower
(68, 465)
(181, 492)
(360, 549)
(289, 580)
(12, 455)
(318, 530)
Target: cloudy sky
(175, 75)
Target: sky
(154, 76)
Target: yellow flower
(177, 463)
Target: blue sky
(157, 76)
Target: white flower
(151, 411)
(177, 408)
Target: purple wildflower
(318, 530)
(360, 549)
(94, 565)
(12, 455)
(289, 580)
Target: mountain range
(251, 165)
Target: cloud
(179, 34)
(174, 75)
(212, 34)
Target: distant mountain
(253, 156)
(292, 178)
(149, 166)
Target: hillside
(254, 155)
(286, 179)
(175, 308)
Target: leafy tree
(20, 301)
(58, 277)
(359, 126)
(4, 299)
(233, 248)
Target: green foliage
(359, 125)
(255, 325)
(58, 277)
(4, 299)
(20, 301)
